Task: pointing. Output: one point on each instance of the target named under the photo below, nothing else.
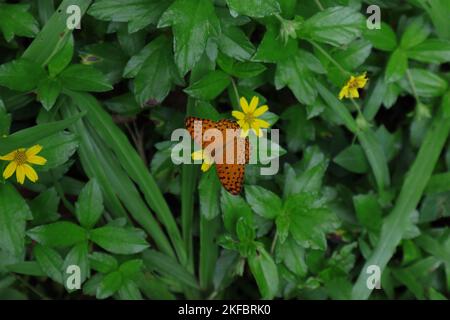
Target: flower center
(249, 118)
(353, 84)
(20, 158)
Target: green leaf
(265, 272)
(398, 220)
(50, 262)
(58, 235)
(109, 285)
(397, 65)
(431, 51)
(416, 32)
(310, 180)
(119, 240)
(298, 129)
(210, 86)
(428, 84)
(368, 211)
(254, 8)
(209, 192)
(13, 215)
(48, 91)
(272, 49)
(81, 77)
(264, 202)
(21, 75)
(376, 157)
(233, 207)
(129, 291)
(103, 262)
(168, 266)
(61, 59)
(89, 207)
(139, 13)
(78, 256)
(57, 149)
(131, 268)
(353, 159)
(45, 207)
(293, 256)
(295, 73)
(240, 69)
(16, 20)
(107, 57)
(234, 43)
(155, 71)
(309, 220)
(191, 31)
(28, 137)
(383, 38)
(336, 26)
(54, 34)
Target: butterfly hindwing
(231, 176)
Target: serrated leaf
(21, 75)
(16, 20)
(209, 86)
(191, 31)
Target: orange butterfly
(231, 174)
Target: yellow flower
(207, 160)
(19, 163)
(350, 90)
(249, 118)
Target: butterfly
(231, 175)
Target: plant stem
(327, 55)
(61, 194)
(319, 5)
(358, 108)
(235, 89)
(413, 86)
(274, 242)
(34, 290)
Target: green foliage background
(359, 185)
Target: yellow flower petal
(242, 123)
(9, 157)
(253, 104)
(244, 133)
(260, 111)
(238, 115)
(30, 173)
(361, 81)
(197, 155)
(343, 93)
(244, 105)
(34, 150)
(261, 123)
(205, 166)
(37, 160)
(20, 174)
(354, 93)
(258, 131)
(9, 171)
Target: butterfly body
(230, 173)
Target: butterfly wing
(230, 175)
(197, 127)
